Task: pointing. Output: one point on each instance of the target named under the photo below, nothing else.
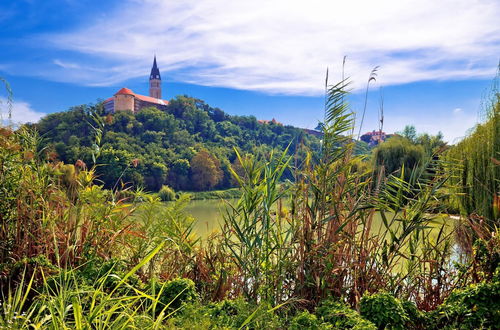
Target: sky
(267, 58)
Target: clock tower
(155, 81)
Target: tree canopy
(189, 146)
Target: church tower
(155, 81)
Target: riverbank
(231, 193)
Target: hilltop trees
(190, 146)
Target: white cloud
(21, 112)
(284, 46)
(457, 111)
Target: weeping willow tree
(477, 178)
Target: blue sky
(263, 58)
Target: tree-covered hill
(190, 146)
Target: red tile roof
(149, 99)
(125, 91)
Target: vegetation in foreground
(71, 256)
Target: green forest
(326, 233)
(190, 146)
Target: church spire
(155, 72)
(155, 81)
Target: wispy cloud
(284, 46)
(22, 112)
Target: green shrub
(384, 310)
(305, 321)
(227, 314)
(476, 306)
(233, 313)
(173, 293)
(107, 274)
(192, 316)
(417, 318)
(341, 316)
(166, 194)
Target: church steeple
(155, 81)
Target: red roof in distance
(149, 99)
(125, 91)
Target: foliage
(66, 302)
(173, 293)
(304, 320)
(227, 314)
(110, 272)
(52, 209)
(205, 170)
(342, 317)
(166, 194)
(163, 144)
(409, 133)
(416, 319)
(474, 307)
(232, 193)
(396, 154)
(254, 235)
(155, 223)
(477, 179)
(384, 311)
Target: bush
(341, 316)
(417, 318)
(166, 194)
(173, 293)
(396, 153)
(384, 310)
(107, 274)
(227, 314)
(475, 307)
(233, 313)
(305, 321)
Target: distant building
(126, 99)
(374, 138)
(273, 121)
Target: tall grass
(255, 233)
(62, 302)
(326, 245)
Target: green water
(209, 216)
